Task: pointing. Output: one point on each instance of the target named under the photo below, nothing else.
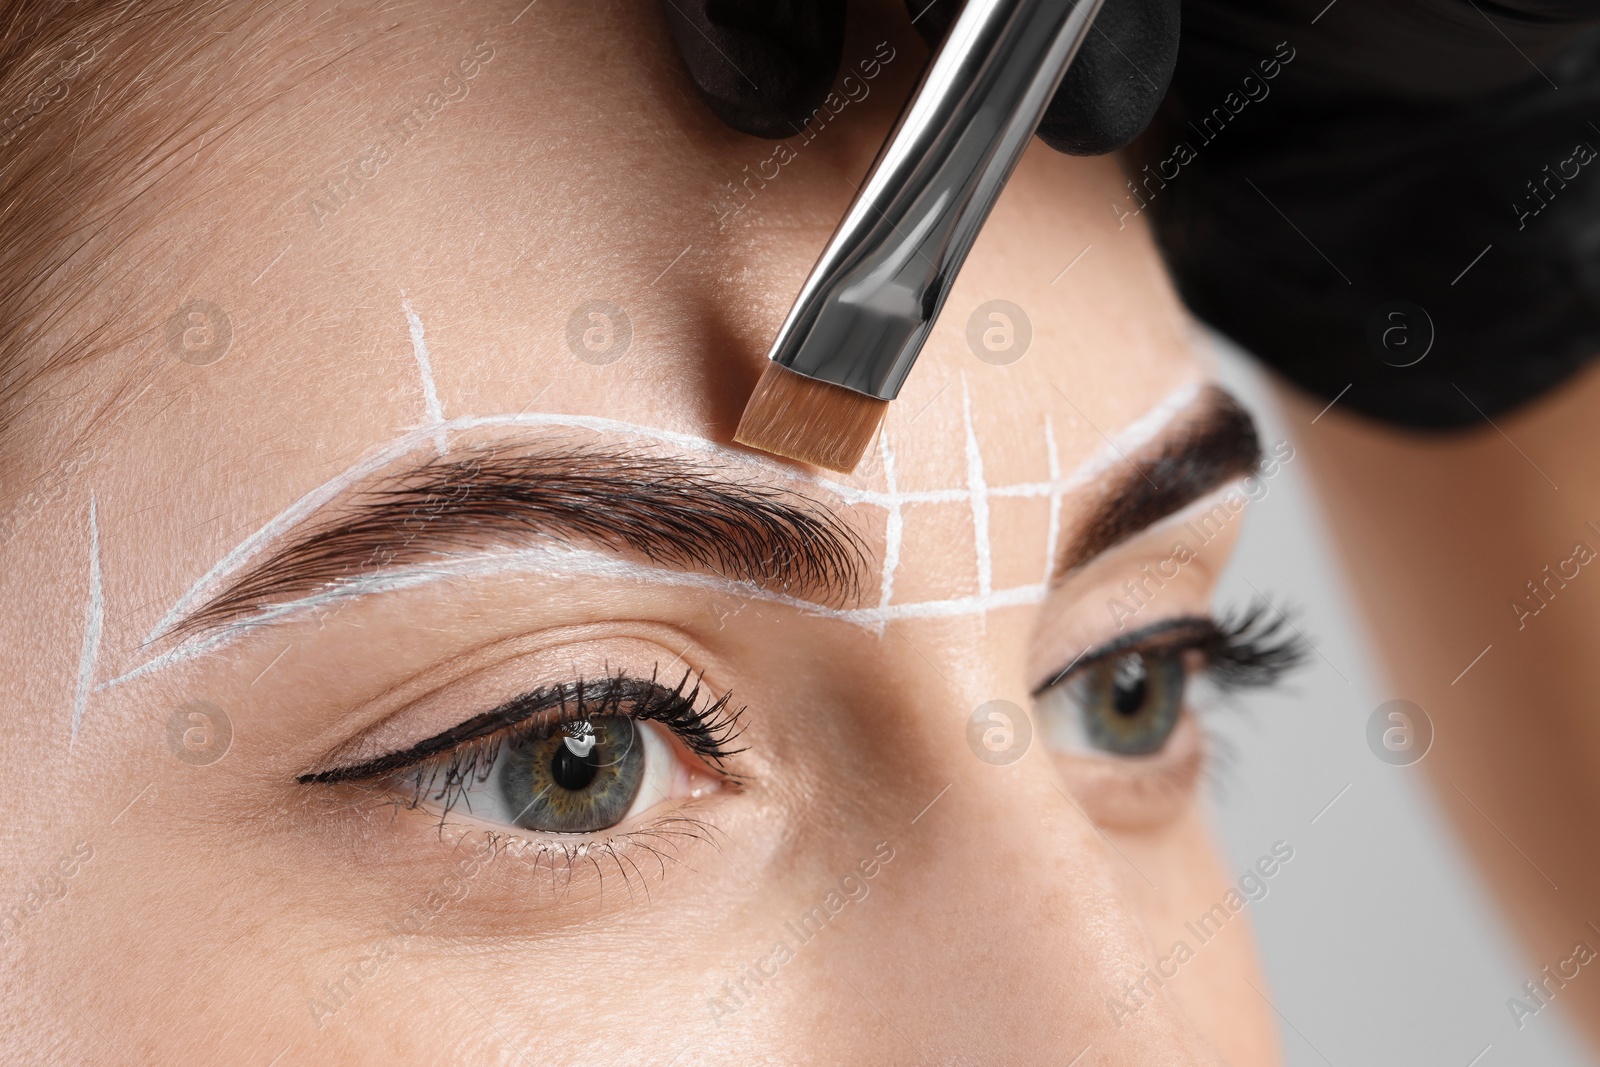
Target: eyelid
(1182, 630)
(635, 697)
(513, 712)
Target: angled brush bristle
(814, 422)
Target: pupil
(1132, 686)
(573, 772)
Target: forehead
(471, 220)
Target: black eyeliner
(1200, 626)
(517, 709)
(1245, 650)
(706, 731)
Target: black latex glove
(1320, 177)
(1400, 139)
(764, 65)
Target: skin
(219, 902)
(1442, 537)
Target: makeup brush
(867, 307)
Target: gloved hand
(764, 65)
(1394, 197)
(1410, 177)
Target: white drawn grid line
(430, 392)
(977, 495)
(894, 524)
(1053, 533)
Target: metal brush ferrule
(866, 309)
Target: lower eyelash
(634, 856)
(653, 842)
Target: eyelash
(708, 731)
(1245, 650)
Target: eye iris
(1131, 704)
(574, 779)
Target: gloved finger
(1437, 182)
(763, 66)
(1428, 51)
(1114, 86)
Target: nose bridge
(1010, 934)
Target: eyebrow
(676, 512)
(671, 511)
(1214, 445)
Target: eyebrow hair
(672, 511)
(1213, 446)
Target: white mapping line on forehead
(978, 496)
(1053, 536)
(430, 392)
(94, 619)
(1202, 508)
(1129, 440)
(384, 457)
(893, 524)
(568, 562)
(563, 562)
(1132, 437)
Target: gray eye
(572, 779)
(1126, 705)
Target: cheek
(1211, 987)
(1140, 794)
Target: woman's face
(405, 668)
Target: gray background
(1382, 946)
